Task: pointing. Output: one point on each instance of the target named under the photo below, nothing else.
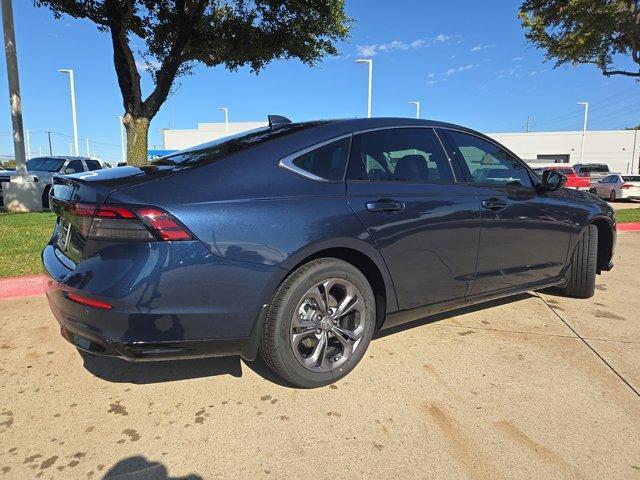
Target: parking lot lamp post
(417, 104)
(370, 62)
(226, 118)
(73, 107)
(88, 154)
(28, 137)
(584, 128)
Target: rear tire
(581, 278)
(612, 196)
(320, 323)
(45, 197)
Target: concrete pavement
(537, 386)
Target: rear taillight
(626, 185)
(125, 223)
(89, 302)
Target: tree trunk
(137, 139)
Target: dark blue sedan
(300, 240)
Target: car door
(603, 188)
(525, 235)
(401, 185)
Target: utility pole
(50, 149)
(19, 193)
(14, 87)
(584, 129)
(28, 145)
(88, 154)
(527, 127)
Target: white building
(619, 149)
(206, 132)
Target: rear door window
(93, 165)
(76, 165)
(399, 155)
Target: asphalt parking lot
(536, 386)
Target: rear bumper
(169, 301)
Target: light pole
(226, 118)
(370, 62)
(88, 154)
(121, 122)
(417, 104)
(73, 107)
(28, 144)
(584, 128)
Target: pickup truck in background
(574, 180)
(595, 171)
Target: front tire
(320, 323)
(581, 279)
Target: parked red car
(573, 180)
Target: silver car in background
(618, 187)
(44, 168)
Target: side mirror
(553, 180)
(69, 171)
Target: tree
(178, 33)
(585, 31)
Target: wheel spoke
(317, 357)
(349, 303)
(351, 336)
(301, 323)
(347, 344)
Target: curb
(628, 227)
(26, 286)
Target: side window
(399, 155)
(488, 163)
(93, 165)
(327, 162)
(76, 165)
(607, 179)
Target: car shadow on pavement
(120, 371)
(139, 468)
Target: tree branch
(609, 73)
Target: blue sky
(466, 61)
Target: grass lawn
(628, 215)
(22, 237)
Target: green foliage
(178, 33)
(628, 215)
(585, 31)
(9, 164)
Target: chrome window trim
(287, 161)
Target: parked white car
(616, 187)
(44, 168)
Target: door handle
(494, 204)
(386, 206)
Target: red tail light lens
(626, 185)
(89, 302)
(124, 223)
(163, 224)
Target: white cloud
(479, 48)
(517, 59)
(399, 45)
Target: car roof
(382, 122)
(62, 157)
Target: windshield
(220, 148)
(631, 178)
(45, 164)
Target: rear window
(594, 168)
(565, 171)
(45, 164)
(631, 178)
(222, 147)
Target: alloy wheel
(328, 325)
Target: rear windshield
(45, 164)
(220, 148)
(631, 178)
(594, 168)
(566, 171)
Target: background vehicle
(301, 239)
(573, 180)
(595, 171)
(616, 187)
(44, 168)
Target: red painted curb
(628, 227)
(15, 287)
